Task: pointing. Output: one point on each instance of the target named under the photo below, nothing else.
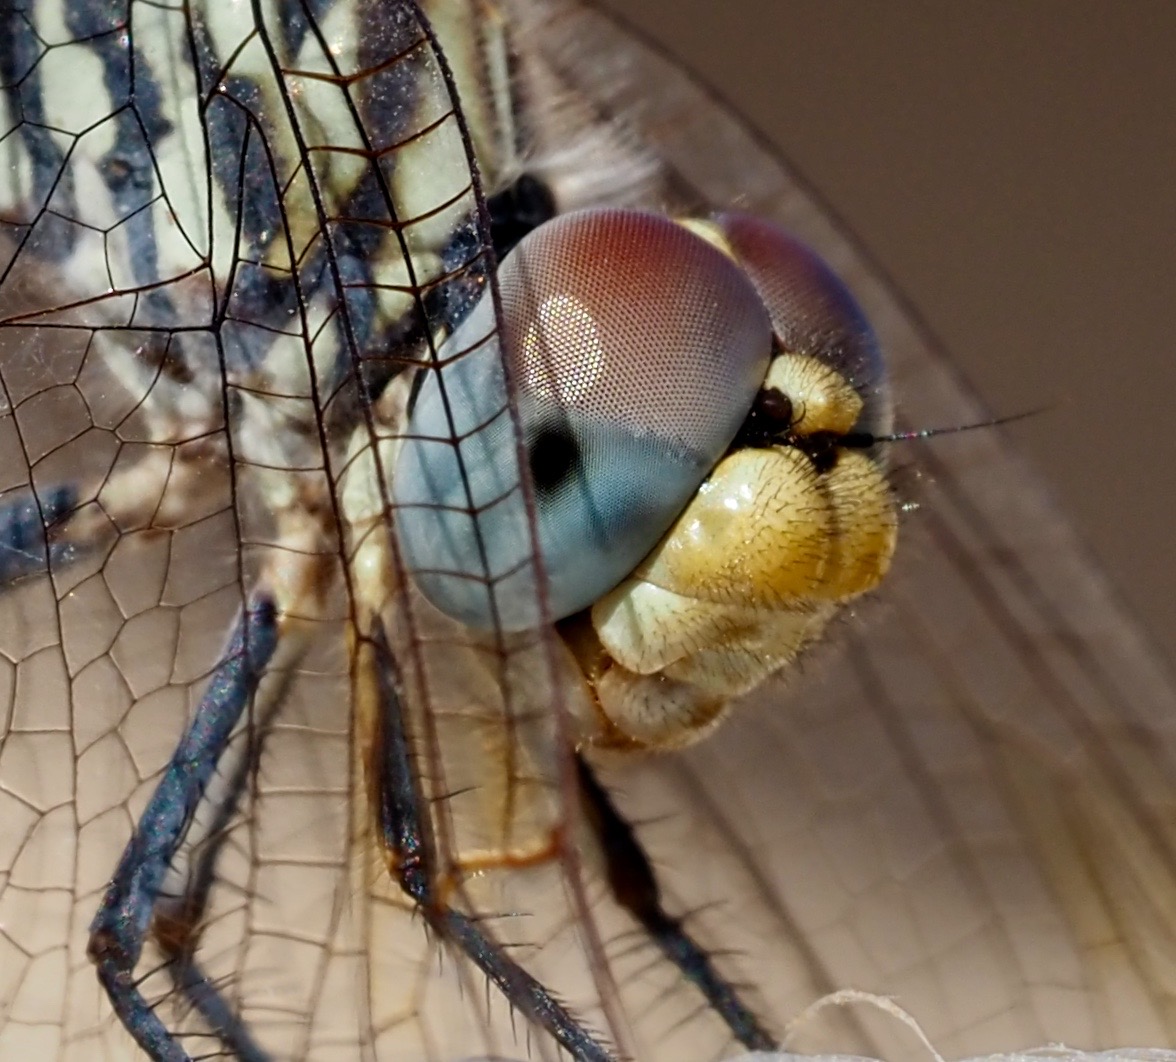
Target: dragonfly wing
(967, 801)
(226, 230)
(189, 288)
(964, 801)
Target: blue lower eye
(636, 349)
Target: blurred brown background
(1013, 166)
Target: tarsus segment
(634, 886)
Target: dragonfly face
(236, 312)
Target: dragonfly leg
(124, 919)
(634, 887)
(179, 912)
(404, 828)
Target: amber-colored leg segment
(403, 825)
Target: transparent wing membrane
(973, 791)
(234, 244)
(280, 218)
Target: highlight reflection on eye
(562, 320)
(637, 349)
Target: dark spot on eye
(554, 456)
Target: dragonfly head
(685, 395)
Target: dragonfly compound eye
(812, 311)
(636, 349)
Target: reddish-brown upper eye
(637, 349)
(812, 311)
(628, 321)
